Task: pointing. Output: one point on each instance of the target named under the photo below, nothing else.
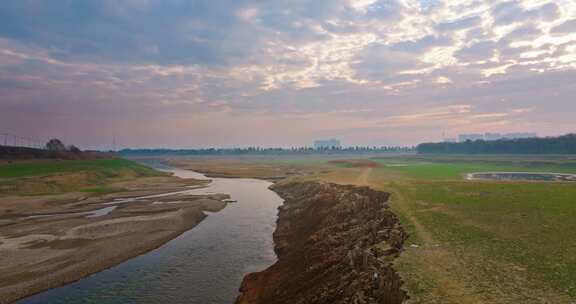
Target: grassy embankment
(58, 176)
(481, 241)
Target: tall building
(327, 144)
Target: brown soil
(335, 244)
(240, 168)
(356, 163)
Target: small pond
(522, 176)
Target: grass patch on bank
(43, 177)
(108, 167)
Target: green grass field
(48, 167)
(435, 168)
(506, 226)
(42, 177)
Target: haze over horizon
(282, 73)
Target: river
(204, 265)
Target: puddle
(100, 212)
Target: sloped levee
(335, 244)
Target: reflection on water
(101, 212)
(204, 265)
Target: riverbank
(335, 244)
(47, 241)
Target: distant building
(520, 135)
(494, 136)
(327, 144)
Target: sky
(226, 73)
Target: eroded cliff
(335, 244)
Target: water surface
(523, 176)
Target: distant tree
(55, 145)
(548, 145)
(74, 149)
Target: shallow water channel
(204, 265)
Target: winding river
(205, 265)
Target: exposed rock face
(334, 244)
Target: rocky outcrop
(335, 244)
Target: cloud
(422, 44)
(524, 32)
(448, 112)
(129, 31)
(480, 51)
(461, 24)
(379, 62)
(513, 11)
(565, 28)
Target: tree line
(56, 145)
(268, 151)
(565, 144)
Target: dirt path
(363, 178)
